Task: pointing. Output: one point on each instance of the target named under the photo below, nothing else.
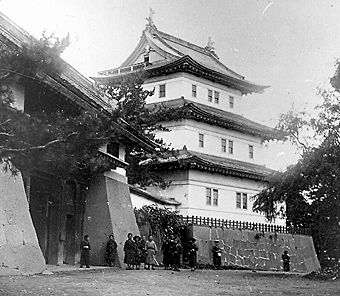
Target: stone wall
(108, 210)
(243, 249)
(19, 249)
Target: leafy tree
(311, 188)
(61, 137)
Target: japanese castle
(219, 165)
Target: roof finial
(210, 45)
(149, 18)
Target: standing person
(172, 250)
(143, 249)
(166, 253)
(151, 249)
(138, 251)
(111, 251)
(192, 253)
(85, 252)
(286, 261)
(217, 254)
(129, 249)
(177, 252)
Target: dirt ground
(161, 282)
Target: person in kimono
(286, 260)
(217, 255)
(151, 249)
(85, 249)
(143, 249)
(192, 254)
(111, 251)
(129, 249)
(176, 255)
(138, 251)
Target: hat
(137, 236)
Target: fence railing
(261, 227)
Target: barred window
(245, 201)
(231, 147)
(231, 102)
(217, 97)
(194, 90)
(200, 140)
(224, 145)
(208, 196)
(251, 151)
(162, 90)
(210, 95)
(238, 200)
(215, 197)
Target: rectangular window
(231, 102)
(238, 200)
(231, 147)
(201, 140)
(162, 90)
(251, 151)
(208, 196)
(245, 201)
(215, 197)
(224, 145)
(194, 90)
(217, 97)
(210, 93)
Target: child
(85, 252)
(192, 252)
(151, 250)
(286, 260)
(177, 252)
(217, 254)
(166, 253)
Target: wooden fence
(261, 227)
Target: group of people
(138, 250)
(172, 251)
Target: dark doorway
(69, 247)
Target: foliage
(311, 188)
(161, 220)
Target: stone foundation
(243, 249)
(19, 249)
(108, 210)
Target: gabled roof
(157, 199)
(185, 159)
(214, 116)
(72, 84)
(202, 62)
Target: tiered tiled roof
(185, 159)
(178, 55)
(214, 116)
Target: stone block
(231, 259)
(13, 235)
(233, 251)
(239, 261)
(248, 263)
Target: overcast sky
(291, 45)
